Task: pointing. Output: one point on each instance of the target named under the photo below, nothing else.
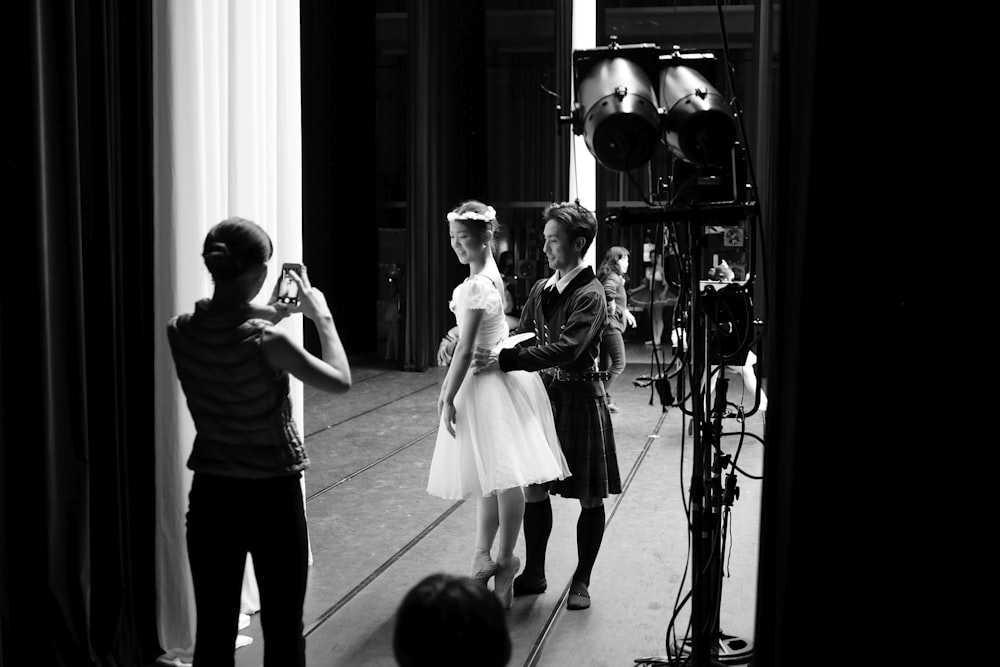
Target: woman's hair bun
(216, 248)
(216, 256)
(233, 246)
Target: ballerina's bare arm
(459, 366)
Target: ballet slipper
(504, 583)
(483, 568)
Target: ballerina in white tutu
(497, 431)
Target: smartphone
(288, 289)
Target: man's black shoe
(529, 584)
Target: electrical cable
(732, 541)
(717, 602)
(745, 473)
(751, 172)
(671, 646)
(691, 179)
(638, 187)
(678, 603)
(686, 502)
(739, 447)
(715, 555)
(717, 547)
(690, 531)
(701, 395)
(748, 434)
(743, 433)
(576, 175)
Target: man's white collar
(561, 282)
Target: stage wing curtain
(227, 143)
(447, 158)
(76, 469)
(338, 179)
(828, 556)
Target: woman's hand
(629, 318)
(276, 310)
(446, 408)
(312, 301)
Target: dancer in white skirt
(497, 432)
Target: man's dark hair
(574, 219)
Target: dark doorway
(339, 228)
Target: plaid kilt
(583, 424)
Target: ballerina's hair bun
(477, 215)
(233, 246)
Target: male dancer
(567, 312)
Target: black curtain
(76, 349)
(339, 227)
(837, 537)
(447, 158)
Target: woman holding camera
(234, 365)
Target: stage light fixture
(621, 123)
(629, 97)
(698, 122)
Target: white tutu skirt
(505, 437)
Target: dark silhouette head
(234, 246)
(446, 621)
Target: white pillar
(583, 165)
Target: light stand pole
(705, 517)
(708, 494)
(706, 485)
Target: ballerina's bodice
(479, 292)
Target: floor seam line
(536, 649)
(361, 414)
(370, 465)
(325, 616)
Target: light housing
(620, 116)
(697, 121)
(630, 97)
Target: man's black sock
(589, 534)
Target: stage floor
(374, 531)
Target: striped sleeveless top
(240, 405)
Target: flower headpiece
(489, 215)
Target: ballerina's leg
(487, 523)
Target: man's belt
(579, 376)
